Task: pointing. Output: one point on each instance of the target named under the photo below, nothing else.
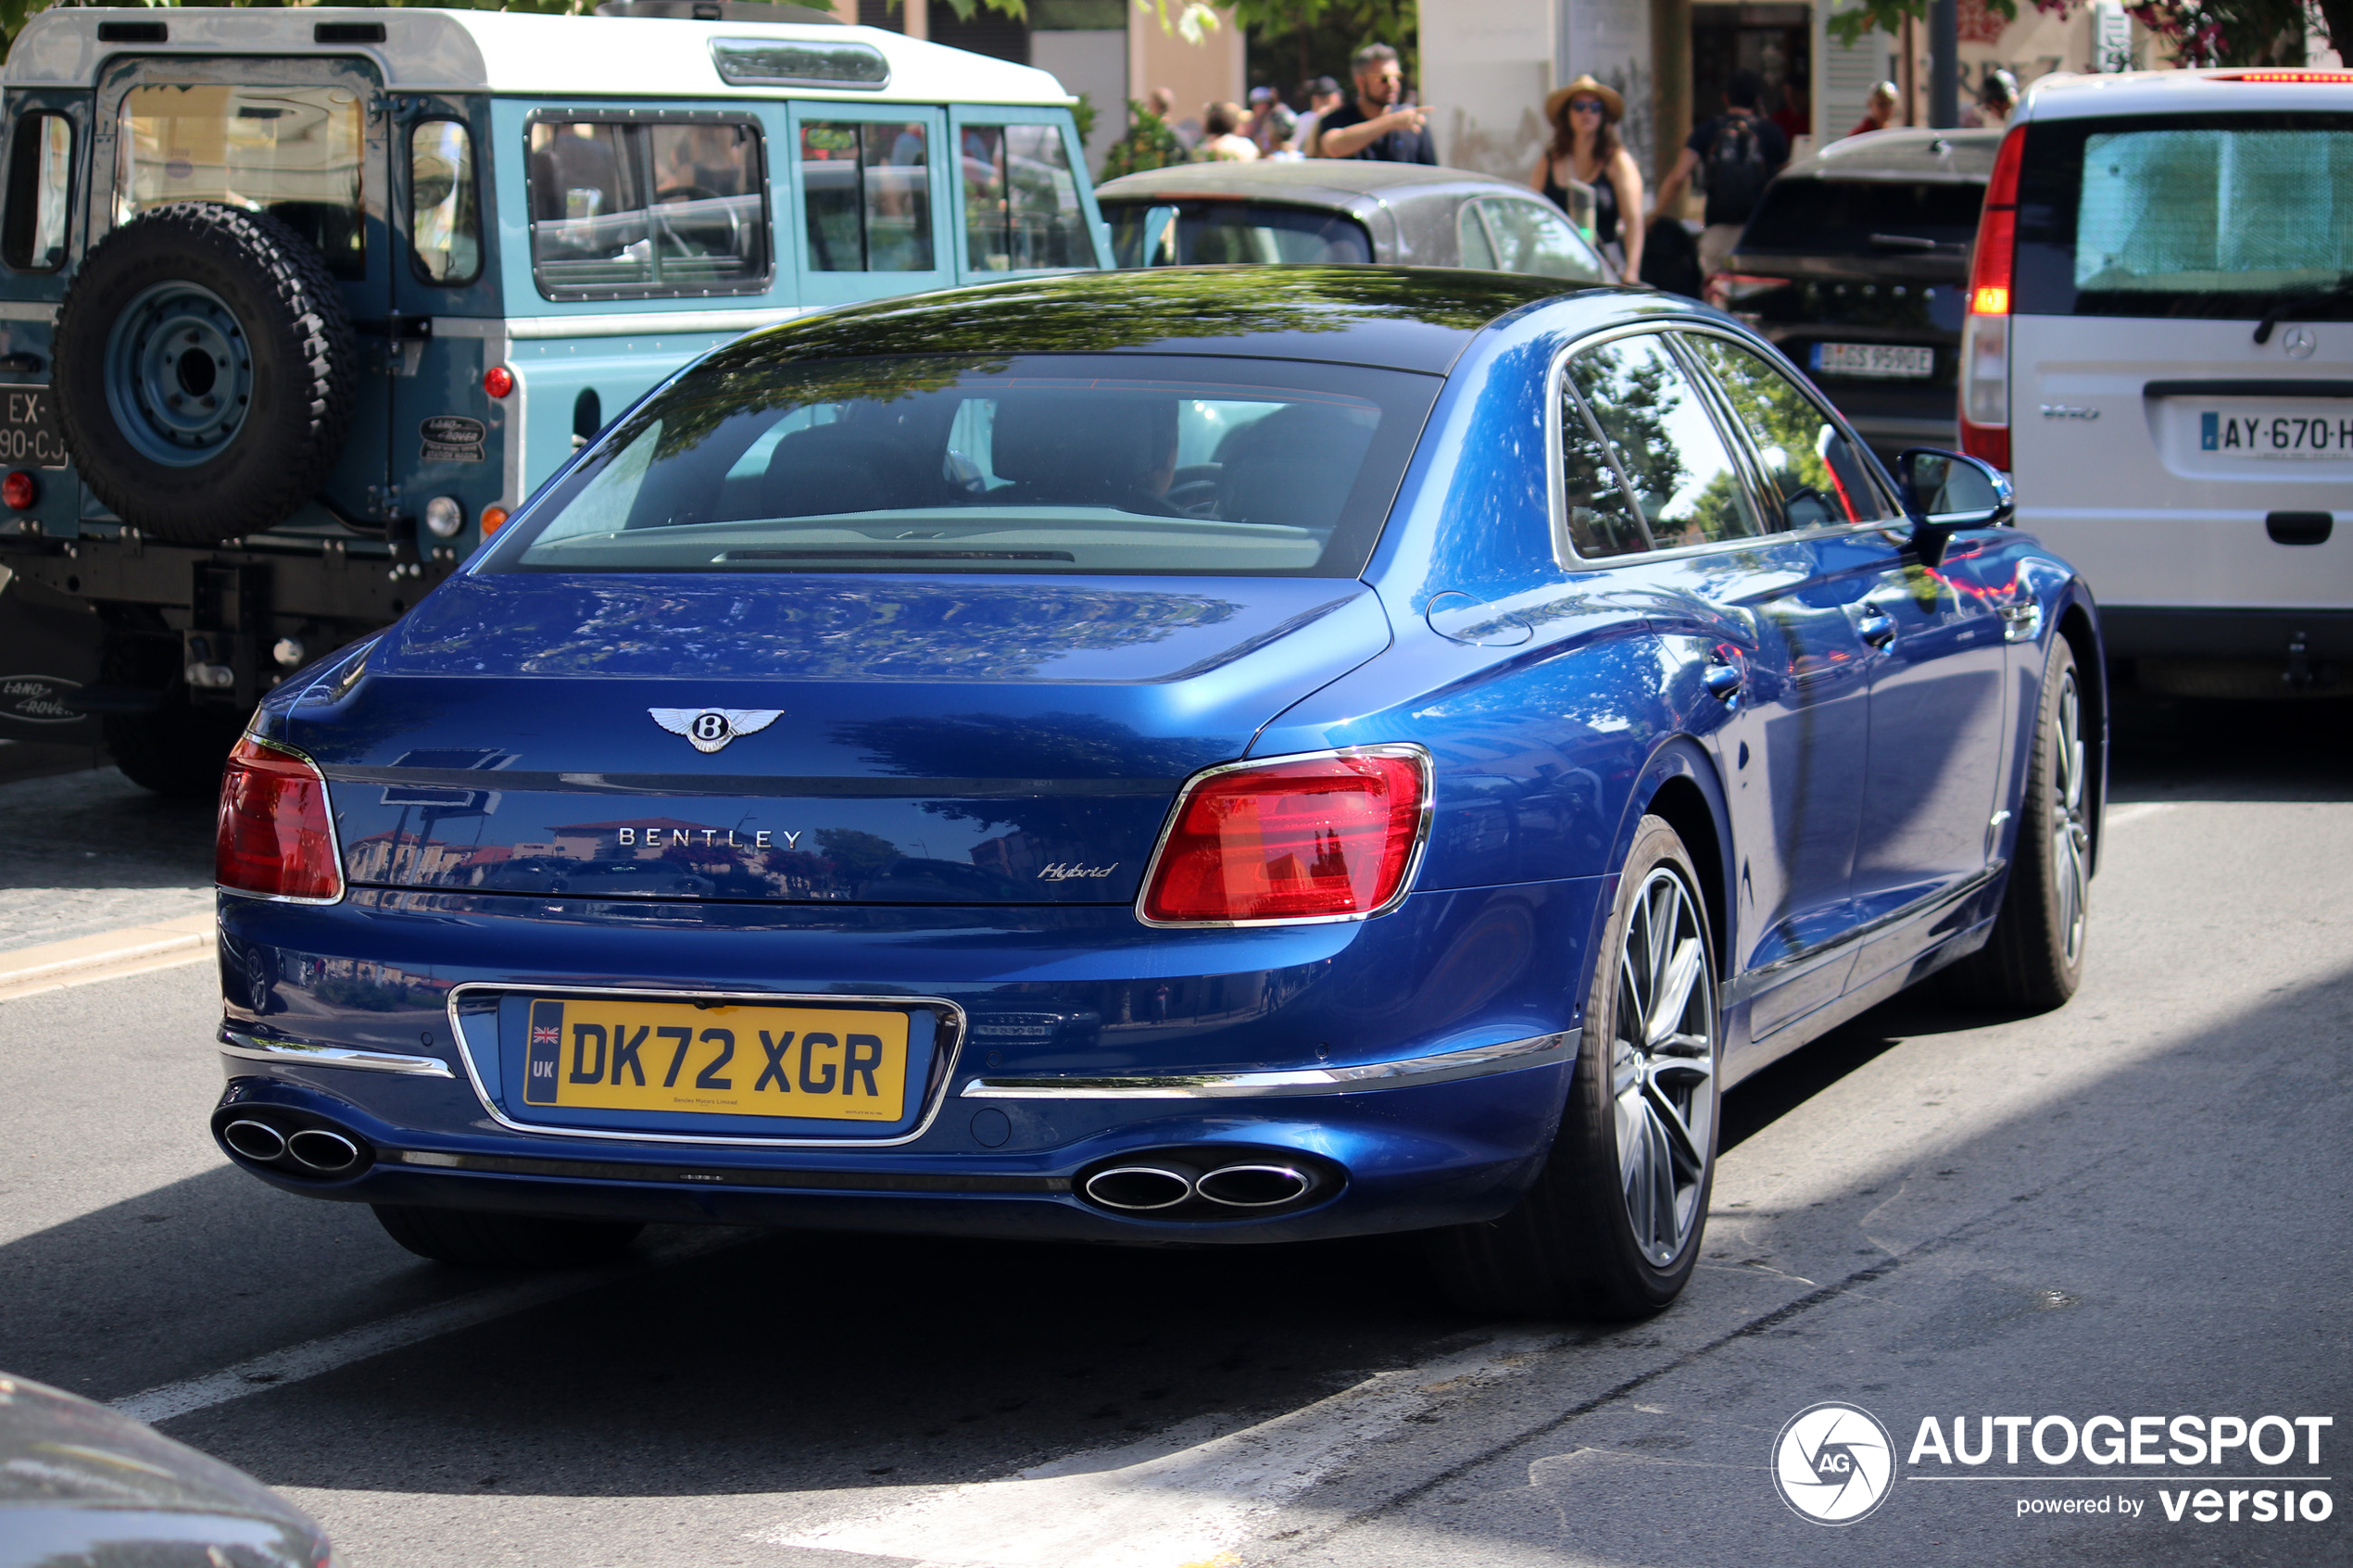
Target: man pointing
(1371, 128)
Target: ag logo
(1833, 1463)
(708, 729)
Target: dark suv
(1856, 266)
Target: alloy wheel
(2071, 831)
(1663, 1066)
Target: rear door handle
(1876, 629)
(1721, 680)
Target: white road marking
(280, 1368)
(1175, 1502)
(2134, 812)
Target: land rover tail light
(274, 835)
(1331, 836)
(19, 491)
(1985, 336)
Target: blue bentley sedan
(1219, 755)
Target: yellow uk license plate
(825, 1064)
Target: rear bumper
(2159, 632)
(1381, 1049)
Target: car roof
(430, 51)
(1397, 318)
(1330, 180)
(2227, 89)
(1904, 155)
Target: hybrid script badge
(1833, 1463)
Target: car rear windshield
(1866, 218)
(1243, 232)
(294, 152)
(2198, 215)
(1109, 464)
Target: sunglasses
(1585, 106)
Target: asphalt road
(2140, 1205)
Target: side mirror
(1944, 491)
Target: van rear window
(1867, 217)
(2211, 215)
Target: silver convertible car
(1339, 211)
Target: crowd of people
(1731, 154)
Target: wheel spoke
(1674, 996)
(1678, 1133)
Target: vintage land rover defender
(298, 305)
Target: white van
(2159, 347)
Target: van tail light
(1331, 836)
(1985, 336)
(274, 835)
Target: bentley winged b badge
(710, 729)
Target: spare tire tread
(306, 371)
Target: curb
(133, 949)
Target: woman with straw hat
(1583, 116)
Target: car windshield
(1244, 232)
(1867, 217)
(1138, 463)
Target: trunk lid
(876, 741)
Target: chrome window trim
(1421, 757)
(1565, 553)
(1475, 1061)
(949, 1050)
(334, 835)
(249, 1047)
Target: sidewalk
(87, 853)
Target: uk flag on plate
(545, 1055)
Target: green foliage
(1083, 114)
(1292, 42)
(2201, 32)
(1148, 145)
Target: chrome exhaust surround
(322, 1151)
(255, 1140)
(1255, 1186)
(1138, 1189)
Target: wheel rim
(1663, 1066)
(179, 374)
(2070, 831)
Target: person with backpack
(1736, 154)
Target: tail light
(1985, 336)
(1327, 837)
(273, 837)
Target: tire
(1613, 1224)
(2033, 959)
(179, 749)
(484, 1239)
(206, 371)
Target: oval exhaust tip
(1254, 1186)
(1139, 1188)
(323, 1150)
(255, 1140)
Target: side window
(33, 237)
(866, 187)
(1816, 475)
(1594, 506)
(1470, 239)
(1021, 203)
(1659, 430)
(639, 209)
(1532, 237)
(445, 222)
